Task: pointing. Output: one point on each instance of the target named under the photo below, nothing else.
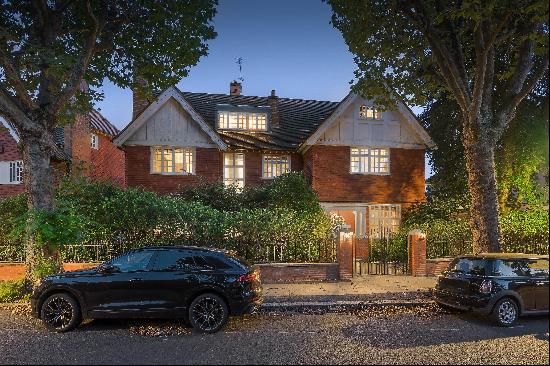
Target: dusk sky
(286, 45)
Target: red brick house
(84, 147)
(365, 164)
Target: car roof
(505, 256)
(183, 247)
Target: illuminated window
(369, 112)
(275, 166)
(370, 160)
(233, 169)
(172, 160)
(242, 121)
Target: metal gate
(379, 251)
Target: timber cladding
(328, 169)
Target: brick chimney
(139, 100)
(273, 102)
(235, 88)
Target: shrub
(13, 290)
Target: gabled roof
(402, 108)
(298, 118)
(97, 122)
(166, 95)
(301, 122)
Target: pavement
(393, 335)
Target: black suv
(202, 286)
(501, 285)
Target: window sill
(359, 173)
(173, 174)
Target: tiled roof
(298, 119)
(100, 123)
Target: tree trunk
(38, 180)
(479, 152)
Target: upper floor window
(369, 112)
(275, 166)
(172, 160)
(233, 169)
(95, 141)
(370, 160)
(242, 121)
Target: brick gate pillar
(345, 255)
(417, 253)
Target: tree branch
(14, 79)
(13, 111)
(481, 67)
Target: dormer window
(230, 120)
(369, 112)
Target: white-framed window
(94, 141)
(369, 112)
(370, 160)
(233, 169)
(242, 121)
(16, 172)
(172, 160)
(384, 220)
(274, 166)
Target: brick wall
(328, 169)
(10, 152)
(253, 166)
(298, 272)
(107, 162)
(137, 165)
(437, 266)
(77, 139)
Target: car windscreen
(470, 266)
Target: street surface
(392, 336)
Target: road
(394, 336)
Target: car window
(173, 260)
(511, 268)
(217, 262)
(470, 266)
(538, 267)
(131, 262)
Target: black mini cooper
(202, 286)
(501, 285)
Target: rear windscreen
(470, 266)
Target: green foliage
(448, 233)
(292, 229)
(521, 156)
(11, 208)
(13, 290)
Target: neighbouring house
(366, 165)
(84, 147)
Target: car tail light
(486, 287)
(249, 277)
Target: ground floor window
(275, 166)
(233, 169)
(172, 160)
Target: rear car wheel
(208, 313)
(60, 313)
(505, 312)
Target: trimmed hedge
(285, 222)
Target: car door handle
(136, 279)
